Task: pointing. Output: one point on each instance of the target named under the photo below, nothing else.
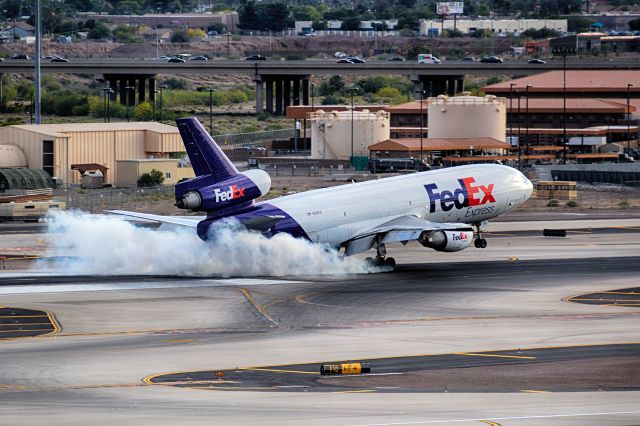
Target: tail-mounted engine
(446, 240)
(204, 193)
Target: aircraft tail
(206, 156)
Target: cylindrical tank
(467, 117)
(331, 133)
(12, 156)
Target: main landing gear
(381, 259)
(479, 242)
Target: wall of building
(467, 117)
(498, 25)
(331, 133)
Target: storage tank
(331, 133)
(468, 117)
(12, 156)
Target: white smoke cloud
(109, 245)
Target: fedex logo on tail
(468, 195)
(231, 194)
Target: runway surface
(115, 331)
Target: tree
(351, 23)
(100, 31)
(634, 24)
(274, 16)
(248, 16)
(153, 178)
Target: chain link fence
(97, 200)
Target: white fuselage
(334, 215)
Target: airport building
(57, 147)
(432, 27)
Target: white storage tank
(331, 133)
(12, 156)
(468, 117)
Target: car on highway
(344, 61)
(491, 60)
(58, 59)
(427, 58)
(1, 59)
(536, 61)
(255, 58)
(356, 60)
(19, 56)
(396, 59)
(199, 58)
(176, 61)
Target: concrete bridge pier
(274, 93)
(434, 85)
(143, 87)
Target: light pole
(312, 95)
(526, 134)
(154, 105)
(128, 88)
(105, 93)
(421, 121)
(564, 51)
(162, 86)
(352, 90)
(519, 150)
(511, 112)
(210, 110)
(629, 86)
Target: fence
(96, 200)
(242, 139)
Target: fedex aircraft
(438, 208)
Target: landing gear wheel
(483, 243)
(390, 262)
(479, 242)
(369, 261)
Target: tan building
(130, 170)
(56, 147)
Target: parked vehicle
(392, 165)
(256, 58)
(537, 61)
(176, 61)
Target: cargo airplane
(439, 209)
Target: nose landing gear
(479, 242)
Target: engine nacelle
(446, 240)
(203, 193)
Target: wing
(401, 229)
(188, 221)
(260, 223)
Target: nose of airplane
(524, 183)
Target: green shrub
(572, 203)
(623, 204)
(553, 203)
(153, 178)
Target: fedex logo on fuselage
(468, 195)
(231, 194)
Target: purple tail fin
(206, 156)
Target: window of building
(47, 157)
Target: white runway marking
(68, 288)
(542, 416)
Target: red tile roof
(577, 81)
(438, 144)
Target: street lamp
(629, 86)
(526, 134)
(352, 90)
(162, 86)
(210, 90)
(564, 51)
(128, 88)
(155, 92)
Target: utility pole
(38, 54)
(629, 86)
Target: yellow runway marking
(24, 331)
(24, 316)
(495, 355)
(618, 292)
(257, 306)
(533, 391)
(489, 422)
(357, 391)
(275, 370)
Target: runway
(512, 300)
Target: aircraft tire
(390, 262)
